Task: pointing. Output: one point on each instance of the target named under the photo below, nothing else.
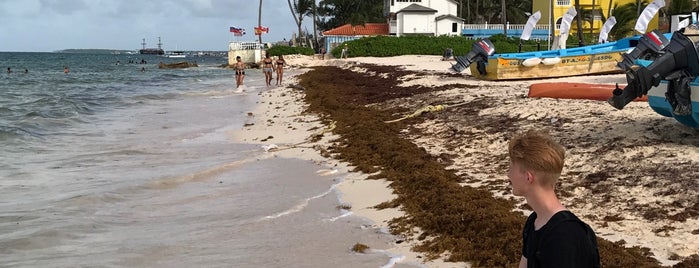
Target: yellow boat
(540, 65)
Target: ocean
(119, 164)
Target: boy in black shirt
(552, 235)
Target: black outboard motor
(679, 61)
(649, 46)
(480, 51)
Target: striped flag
(237, 31)
(261, 29)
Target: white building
(428, 17)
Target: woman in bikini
(267, 68)
(239, 71)
(280, 68)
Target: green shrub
(387, 46)
(286, 50)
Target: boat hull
(659, 104)
(502, 68)
(581, 91)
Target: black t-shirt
(565, 244)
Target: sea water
(121, 164)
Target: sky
(197, 25)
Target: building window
(454, 27)
(558, 2)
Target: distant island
(95, 51)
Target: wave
(300, 206)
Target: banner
(261, 29)
(529, 27)
(237, 31)
(606, 28)
(647, 15)
(565, 27)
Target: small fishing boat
(671, 80)
(586, 60)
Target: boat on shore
(586, 60)
(671, 80)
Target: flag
(647, 15)
(529, 27)
(261, 29)
(565, 27)
(606, 28)
(237, 31)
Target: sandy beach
(630, 174)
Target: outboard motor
(649, 45)
(679, 64)
(480, 51)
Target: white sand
(284, 106)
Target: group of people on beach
(268, 67)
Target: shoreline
(633, 229)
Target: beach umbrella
(529, 27)
(647, 15)
(606, 28)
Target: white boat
(176, 54)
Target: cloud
(64, 7)
(49, 25)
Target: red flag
(261, 29)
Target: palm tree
(625, 19)
(259, 21)
(503, 17)
(300, 9)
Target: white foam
(301, 205)
(345, 214)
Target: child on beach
(552, 235)
(239, 71)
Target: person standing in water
(66, 70)
(280, 68)
(239, 71)
(267, 68)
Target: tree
(299, 10)
(679, 7)
(503, 16)
(579, 22)
(336, 13)
(490, 11)
(259, 21)
(625, 19)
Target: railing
(244, 46)
(487, 26)
(563, 2)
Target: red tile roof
(366, 29)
